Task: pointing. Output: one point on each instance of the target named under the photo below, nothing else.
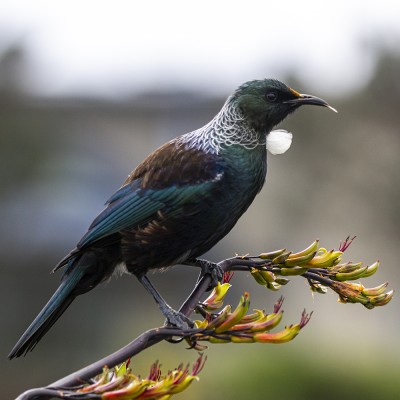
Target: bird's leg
(207, 267)
(173, 317)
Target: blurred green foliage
(287, 372)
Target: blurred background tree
(63, 154)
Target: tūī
(178, 203)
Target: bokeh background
(87, 89)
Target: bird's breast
(246, 171)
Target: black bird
(178, 203)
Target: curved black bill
(312, 100)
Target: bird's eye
(271, 96)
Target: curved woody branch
(321, 268)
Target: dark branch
(145, 340)
(151, 337)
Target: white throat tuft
(279, 141)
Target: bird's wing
(136, 207)
(166, 180)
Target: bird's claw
(213, 269)
(176, 319)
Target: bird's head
(265, 103)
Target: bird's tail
(59, 302)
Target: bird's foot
(176, 319)
(211, 268)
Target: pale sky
(115, 47)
